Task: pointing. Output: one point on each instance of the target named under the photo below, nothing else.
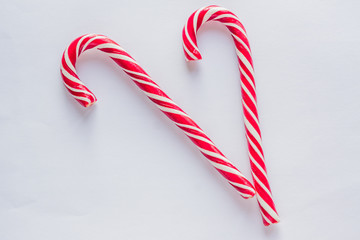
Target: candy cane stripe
(199, 138)
(160, 98)
(257, 165)
(240, 185)
(112, 46)
(250, 112)
(226, 168)
(236, 26)
(254, 147)
(212, 154)
(189, 127)
(188, 52)
(262, 185)
(249, 95)
(90, 41)
(79, 44)
(144, 82)
(251, 83)
(242, 43)
(268, 209)
(138, 74)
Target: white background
(122, 170)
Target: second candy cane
(253, 135)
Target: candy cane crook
(85, 97)
(253, 135)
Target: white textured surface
(121, 170)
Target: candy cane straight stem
(253, 135)
(85, 97)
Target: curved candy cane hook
(85, 97)
(253, 135)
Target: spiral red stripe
(253, 135)
(86, 98)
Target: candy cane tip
(191, 55)
(89, 104)
(273, 220)
(247, 196)
(86, 103)
(198, 57)
(266, 224)
(195, 56)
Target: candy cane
(253, 135)
(86, 98)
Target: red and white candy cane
(253, 135)
(85, 97)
